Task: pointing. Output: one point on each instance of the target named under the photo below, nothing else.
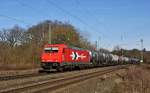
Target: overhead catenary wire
(70, 14)
(15, 19)
(57, 6)
(30, 7)
(74, 16)
(60, 8)
(54, 4)
(94, 17)
(89, 12)
(37, 12)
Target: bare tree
(3, 35)
(12, 36)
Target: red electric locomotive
(61, 56)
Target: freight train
(62, 56)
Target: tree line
(22, 46)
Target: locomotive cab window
(51, 50)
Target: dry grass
(137, 80)
(19, 57)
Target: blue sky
(108, 19)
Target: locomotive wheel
(60, 69)
(41, 71)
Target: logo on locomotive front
(76, 56)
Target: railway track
(51, 85)
(15, 77)
(5, 78)
(36, 74)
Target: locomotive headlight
(43, 60)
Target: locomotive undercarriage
(50, 65)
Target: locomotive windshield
(51, 50)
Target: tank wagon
(62, 56)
